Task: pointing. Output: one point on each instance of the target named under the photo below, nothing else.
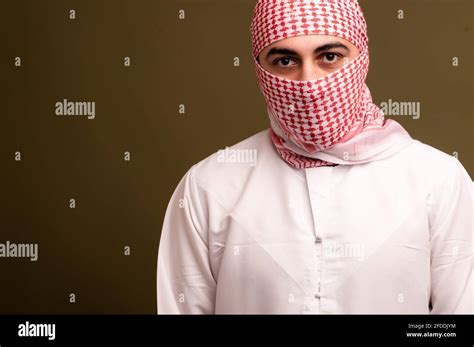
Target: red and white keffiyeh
(311, 117)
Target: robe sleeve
(185, 283)
(451, 243)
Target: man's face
(308, 57)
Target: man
(343, 212)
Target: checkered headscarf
(317, 114)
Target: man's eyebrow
(326, 47)
(330, 46)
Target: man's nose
(310, 71)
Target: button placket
(319, 255)
(318, 180)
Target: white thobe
(388, 236)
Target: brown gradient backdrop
(173, 61)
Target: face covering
(311, 117)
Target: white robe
(388, 236)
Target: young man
(342, 212)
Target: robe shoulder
(441, 181)
(225, 172)
(431, 164)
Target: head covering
(310, 119)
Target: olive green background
(173, 62)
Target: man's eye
(330, 58)
(284, 62)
